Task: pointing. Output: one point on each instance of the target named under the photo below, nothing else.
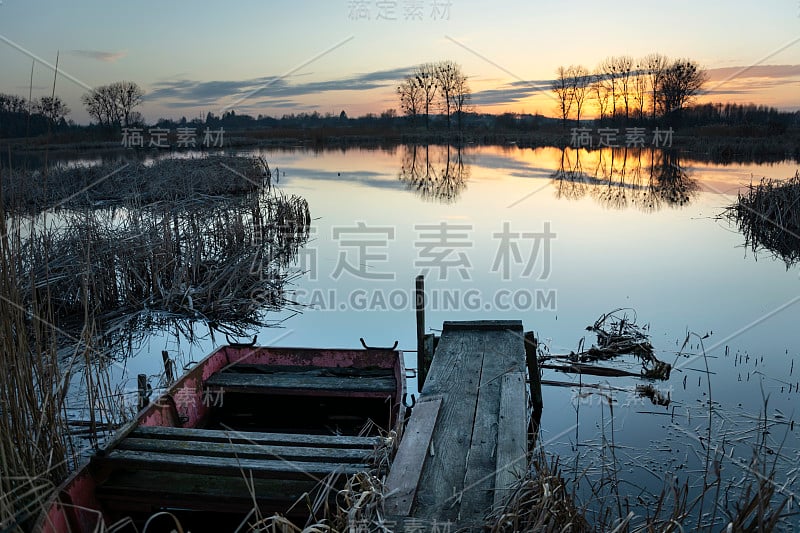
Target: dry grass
(113, 184)
(35, 451)
(541, 501)
(223, 262)
(768, 215)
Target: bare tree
(580, 82)
(410, 98)
(562, 87)
(53, 108)
(600, 92)
(425, 78)
(461, 97)
(623, 70)
(608, 71)
(681, 82)
(447, 75)
(656, 65)
(114, 104)
(639, 89)
(129, 95)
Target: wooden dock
(466, 441)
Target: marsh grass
(77, 283)
(221, 262)
(116, 183)
(35, 452)
(768, 215)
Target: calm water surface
(557, 239)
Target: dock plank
(512, 449)
(253, 437)
(472, 362)
(454, 376)
(502, 352)
(407, 465)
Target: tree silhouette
(425, 78)
(114, 104)
(562, 87)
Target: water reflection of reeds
(768, 215)
(648, 179)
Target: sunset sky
(328, 56)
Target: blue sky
(196, 57)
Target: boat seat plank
(256, 438)
(300, 383)
(322, 371)
(146, 490)
(246, 451)
(226, 466)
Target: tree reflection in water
(435, 173)
(618, 178)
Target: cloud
(758, 71)
(751, 80)
(270, 90)
(511, 92)
(99, 55)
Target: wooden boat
(247, 426)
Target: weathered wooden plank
(406, 470)
(247, 451)
(531, 357)
(131, 490)
(306, 371)
(502, 351)
(300, 383)
(454, 376)
(512, 447)
(479, 325)
(252, 437)
(227, 466)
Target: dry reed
(114, 184)
(768, 215)
(35, 450)
(221, 262)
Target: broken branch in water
(617, 335)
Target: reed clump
(768, 215)
(115, 184)
(35, 452)
(541, 501)
(224, 261)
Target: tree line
(431, 87)
(622, 87)
(22, 116)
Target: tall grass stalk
(35, 450)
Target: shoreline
(726, 145)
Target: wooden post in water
(168, 367)
(419, 302)
(531, 349)
(142, 386)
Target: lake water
(557, 239)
